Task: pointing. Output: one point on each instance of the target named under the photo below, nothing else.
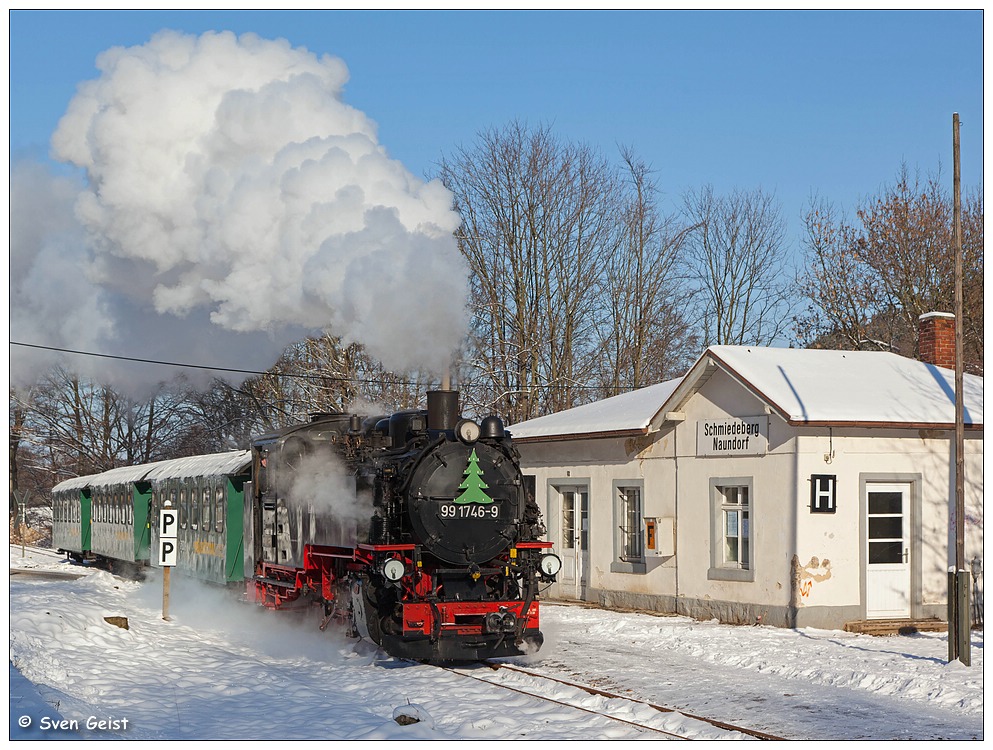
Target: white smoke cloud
(324, 483)
(230, 192)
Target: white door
(574, 543)
(887, 578)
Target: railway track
(614, 703)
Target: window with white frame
(629, 511)
(732, 532)
(629, 544)
(734, 511)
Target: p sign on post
(168, 533)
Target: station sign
(737, 436)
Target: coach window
(195, 511)
(205, 509)
(184, 509)
(219, 508)
(732, 532)
(629, 549)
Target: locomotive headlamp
(467, 431)
(393, 570)
(550, 564)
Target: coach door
(887, 578)
(574, 540)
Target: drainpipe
(794, 607)
(677, 418)
(675, 511)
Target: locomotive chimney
(443, 409)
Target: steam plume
(233, 203)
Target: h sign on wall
(823, 493)
(168, 531)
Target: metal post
(962, 605)
(953, 600)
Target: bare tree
(869, 281)
(647, 336)
(68, 426)
(845, 293)
(539, 226)
(737, 256)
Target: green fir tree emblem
(473, 484)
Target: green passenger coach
(208, 492)
(112, 517)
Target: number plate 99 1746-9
(469, 510)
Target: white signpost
(168, 533)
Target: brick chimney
(936, 339)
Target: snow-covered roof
(821, 386)
(626, 413)
(120, 475)
(215, 464)
(804, 386)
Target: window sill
(730, 574)
(628, 567)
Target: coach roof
(215, 464)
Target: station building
(790, 487)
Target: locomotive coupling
(501, 622)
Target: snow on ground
(220, 669)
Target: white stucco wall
(827, 584)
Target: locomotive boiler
(416, 530)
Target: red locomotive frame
(328, 574)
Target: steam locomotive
(415, 530)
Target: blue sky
(794, 102)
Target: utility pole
(959, 620)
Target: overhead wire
(240, 371)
